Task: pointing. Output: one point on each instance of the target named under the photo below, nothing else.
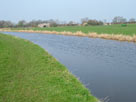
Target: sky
(66, 10)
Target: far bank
(68, 32)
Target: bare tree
(72, 23)
(5, 24)
(21, 23)
(94, 22)
(123, 20)
(84, 20)
(119, 19)
(132, 20)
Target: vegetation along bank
(29, 74)
(112, 32)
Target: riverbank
(30, 74)
(119, 37)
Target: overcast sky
(66, 10)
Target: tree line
(120, 20)
(55, 23)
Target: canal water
(106, 67)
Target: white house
(44, 25)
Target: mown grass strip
(29, 74)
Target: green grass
(113, 29)
(29, 74)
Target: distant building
(107, 24)
(44, 25)
(84, 24)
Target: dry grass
(119, 37)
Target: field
(113, 29)
(29, 74)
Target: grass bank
(130, 29)
(113, 32)
(29, 74)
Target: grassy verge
(30, 74)
(113, 29)
(113, 32)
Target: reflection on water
(106, 67)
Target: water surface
(106, 67)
